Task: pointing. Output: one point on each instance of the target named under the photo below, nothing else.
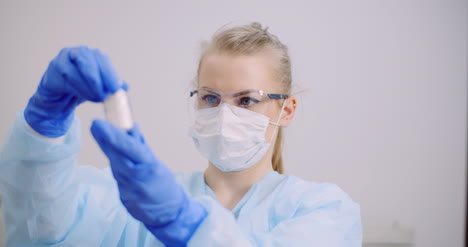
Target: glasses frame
(235, 93)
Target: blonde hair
(249, 40)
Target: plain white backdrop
(384, 116)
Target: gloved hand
(74, 76)
(147, 187)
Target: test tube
(118, 111)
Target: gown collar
(263, 184)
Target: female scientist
(242, 100)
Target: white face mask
(231, 137)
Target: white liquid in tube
(118, 112)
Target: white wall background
(384, 118)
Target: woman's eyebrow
(243, 92)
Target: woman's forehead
(227, 73)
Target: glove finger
(127, 145)
(125, 86)
(62, 73)
(91, 87)
(109, 77)
(135, 132)
(121, 167)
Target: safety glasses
(249, 99)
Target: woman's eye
(247, 101)
(210, 99)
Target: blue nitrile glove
(147, 187)
(74, 76)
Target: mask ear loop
(277, 121)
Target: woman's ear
(289, 111)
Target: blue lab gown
(48, 200)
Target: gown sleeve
(322, 216)
(48, 200)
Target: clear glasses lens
(206, 98)
(253, 100)
(248, 99)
